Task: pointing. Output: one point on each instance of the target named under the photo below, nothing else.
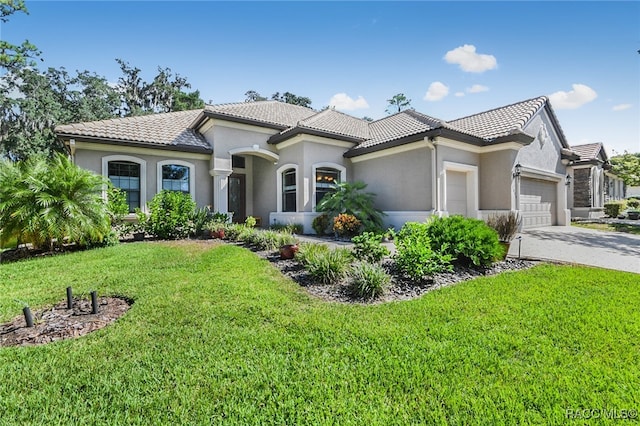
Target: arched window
(176, 175)
(325, 179)
(289, 190)
(126, 176)
(175, 178)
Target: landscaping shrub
(346, 225)
(465, 239)
(368, 247)
(329, 267)
(321, 224)
(46, 202)
(414, 256)
(350, 198)
(233, 231)
(170, 215)
(368, 281)
(292, 228)
(506, 225)
(633, 203)
(614, 208)
(308, 251)
(199, 218)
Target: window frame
(143, 173)
(280, 186)
(190, 166)
(342, 177)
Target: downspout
(435, 200)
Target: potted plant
(506, 226)
(289, 247)
(139, 227)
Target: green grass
(615, 227)
(217, 335)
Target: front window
(126, 176)
(325, 179)
(289, 190)
(175, 178)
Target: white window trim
(279, 184)
(143, 174)
(192, 174)
(324, 165)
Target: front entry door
(237, 197)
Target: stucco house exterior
(593, 183)
(275, 161)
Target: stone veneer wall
(582, 188)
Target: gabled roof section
(272, 114)
(399, 126)
(329, 123)
(165, 131)
(500, 122)
(590, 151)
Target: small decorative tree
(350, 198)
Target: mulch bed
(59, 323)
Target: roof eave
(242, 120)
(519, 137)
(124, 142)
(391, 144)
(299, 130)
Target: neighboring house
(275, 161)
(593, 184)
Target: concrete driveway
(612, 250)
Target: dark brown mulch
(400, 288)
(59, 323)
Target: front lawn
(217, 335)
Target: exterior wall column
(220, 190)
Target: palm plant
(350, 198)
(45, 202)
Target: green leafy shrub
(414, 256)
(117, 204)
(614, 208)
(321, 224)
(46, 202)
(350, 198)
(250, 221)
(292, 228)
(199, 218)
(633, 203)
(170, 215)
(308, 251)
(368, 247)
(346, 225)
(368, 281)
(329, 267)
(465, 239)
(232, 231)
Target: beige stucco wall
(495, 174)
(542, 155)
(401, 182)
(92, 160)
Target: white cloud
(459, 94)
(436, 91)
(477, 88)
(622, 107)
(580, 95)
(469, 60)
(343, 102)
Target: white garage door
(537, 203)
(456, 193)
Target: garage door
(456, 193)
(537, 202)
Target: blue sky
(451, 59)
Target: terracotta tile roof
(275, 113)
(499, 122)
(588, 151)
(163, 130)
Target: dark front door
(237, 197)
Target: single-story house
(275, 161)
(593, 183)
